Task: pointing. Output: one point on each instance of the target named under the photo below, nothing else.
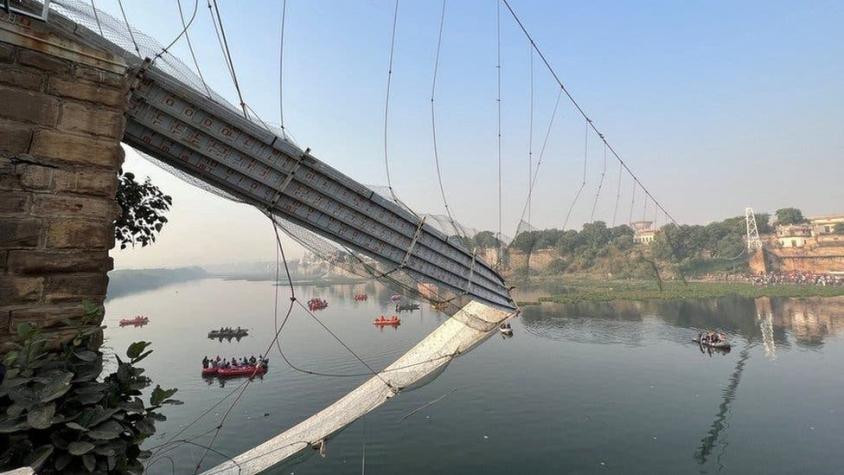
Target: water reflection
(775, 322)
(721, 421)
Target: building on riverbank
(812, 246)
(643, 232)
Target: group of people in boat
(317, 304)
(227, 330)
(137, 320)
(235, 362)
(711, 338)
(387, 320)
(361, 297)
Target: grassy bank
(605, 291)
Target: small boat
(395, 298)
(210, 371)
(241, 371)
(228, 333)
(361, 297)
(394, 320)
(137, 321)
(721, 343)
(506, 329)
(317, 304)
(407, 307)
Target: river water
(592, 388)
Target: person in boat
(205, 362)
(252, 360)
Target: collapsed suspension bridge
(177, 120)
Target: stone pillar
(61, 120)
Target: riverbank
(573, 291)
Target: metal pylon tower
(753, 241)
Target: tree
(487, 240)
(763, 223)
(839, 228)
(143, 205)
(787, 216)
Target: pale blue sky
(716, 105)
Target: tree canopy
(788, 216)
(720, 239)
(143, 205)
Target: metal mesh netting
(136, 45)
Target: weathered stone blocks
(61, 121)
(20, 232)
(77, 117)
(80, 150)
(28, 106)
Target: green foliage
(143, 206)
(716, 240)
(486, 240)
(788, 216)
(838, 228)
(56, 417)
(763, 223)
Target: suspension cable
(434, 120)
(617, 196)
(498, 102)
(579, 108)
(129, 28)
(542, 152)
(387, 97)
(600, 185)
(632, 202)
(221, 36)
(97, 18)
(192, 52)
(184, 31)
(583, 182)
(530, 142)
(281, 69)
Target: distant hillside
(128, 281)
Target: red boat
(361, 297)
(317, 304)
(240, 371)
(209, 371)
(138, 320)
(394, 320)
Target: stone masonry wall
(61, 121)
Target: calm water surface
(598, 388)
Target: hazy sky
(716, 105)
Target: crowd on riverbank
(797, 277)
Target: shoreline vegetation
(586, 290)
